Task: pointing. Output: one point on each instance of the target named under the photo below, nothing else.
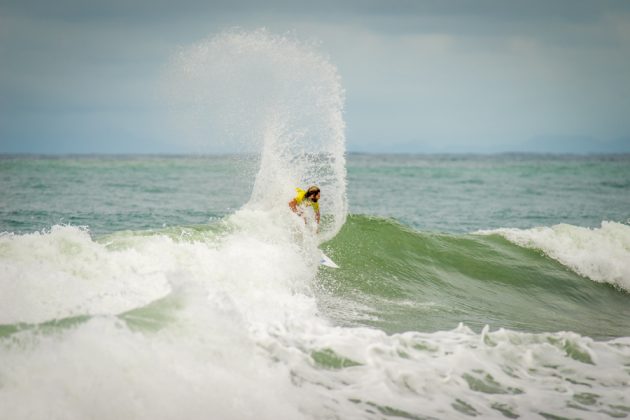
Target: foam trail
(274, 96)
(600, 254)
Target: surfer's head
(313, 193)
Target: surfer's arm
(293, 206)
(317, 216)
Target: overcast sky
(420, 76)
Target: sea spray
(276, 97)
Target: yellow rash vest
(299, 199)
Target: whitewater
(184, 287)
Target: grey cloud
(99, 62)
(580, 11)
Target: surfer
(309, 197)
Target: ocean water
(163, 287)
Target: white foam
(210, 362)
(428, 374)
(242, 339)
(64, 273)
(600, 254)
(205, 361)
(103, 370)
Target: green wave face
(398, 280)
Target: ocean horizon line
(61, 155)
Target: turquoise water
(457, 194)
(466, 193)
(110, 194)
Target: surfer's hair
(312, 191)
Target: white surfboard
(324, 260)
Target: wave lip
(600, 254)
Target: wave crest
(600, 254)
